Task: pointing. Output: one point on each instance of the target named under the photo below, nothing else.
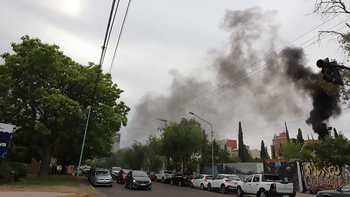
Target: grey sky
(172, 51)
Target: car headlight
(150, 181)
(134, 180)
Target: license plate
(285, 196)
(145, 184)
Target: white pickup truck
(264, 185)
(164, 176)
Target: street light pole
(82, 146)
(212, 142)
(160, 131)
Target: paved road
(158, 189)
(166, 190)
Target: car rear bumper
(275, 194)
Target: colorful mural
(287, 171)
(314, 179)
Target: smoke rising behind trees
(249, 81)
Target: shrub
(20, 169)
(8, 166)
(5, 170)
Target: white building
(116, 140)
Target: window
(248, 179)
(346, 188)
(256, 178)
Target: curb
(80, 195)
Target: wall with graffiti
(287, 171)
(314, 179)
(207, 168)
(243, 170)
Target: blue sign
(5, 136)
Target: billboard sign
(5, 136)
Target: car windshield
(116, 169)
(187, 174)
(88, 167)
(233, 178)
(102, 173)
(139, 174)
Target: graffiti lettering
(322, 179)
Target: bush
(8, 166)
(20, 169)
(5, 170)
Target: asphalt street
(166, 190)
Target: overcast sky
(219, 59)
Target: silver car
(101, 177)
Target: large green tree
(180, 142)
(332, 151)
(295, 151)
(46, 96)
(153, 152)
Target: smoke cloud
(251, 83)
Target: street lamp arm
(203, 120)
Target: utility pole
(160, 130)
(212, 142)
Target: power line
(120, 33)
(226, 86)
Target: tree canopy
(46, 95)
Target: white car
(201, 181)
(224, 182)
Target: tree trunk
(64, 164)
(45, 162)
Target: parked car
(153, 176)
(342, 191)
(101, 177)
(181, 178)
(138, 179)
(114, 171)
(121, 175)
(263, 185)
(164, 176)
(223, 182)
(86, 169)
(201, 181)
(90, 172)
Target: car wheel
(149, 188)
(209, 188)
(130, 186)
(202, 186)
(192, 185)
(163, 181)
(223, 189)
(125, 185)
(111, 186)
(180, 183)
(171, 182)
(262, 193)
(240, 192)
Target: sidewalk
(84, 190)
(33, 194)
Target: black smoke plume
(324, 105)
(284, 89)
